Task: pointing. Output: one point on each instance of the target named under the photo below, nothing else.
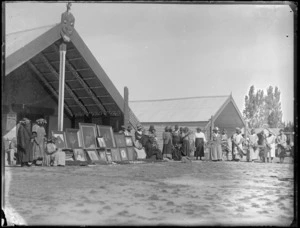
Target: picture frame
(120, 140)
(72, 138)
(60, 141)
(102, 155)
(123, 153)
(79, 154)
(101, 142)
(115, 153)
(88, 133)
(131, 154)
(69, 155)
(92, 153)
(129, 141)
(107, 133)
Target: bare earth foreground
(197, 193)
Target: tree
(263, 109)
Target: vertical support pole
(211, 127)
(61, 93)
(126, 107)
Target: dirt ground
(165, 193)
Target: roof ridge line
(26, 30)
(181, 98)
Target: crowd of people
(182, 142)
(32, 148)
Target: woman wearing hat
(282, 145)
(185, 142)
(253, 146)
(200, 140)
(38, 149)
(271, 146)
(216, 143)
(167, 143)
(24, 143)
(152, 133)
(237, 141)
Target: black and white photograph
(185, 113)
(88, 135)
(72, 138)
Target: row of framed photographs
(102, 155)
(91, 136)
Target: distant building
(205, 112)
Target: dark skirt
(186, 148)
(281, 151)
(167, 148)
(199, 144)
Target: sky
(162, 51)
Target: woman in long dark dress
(185, 142)
(199, 143)
(167, 147)
(24, 143)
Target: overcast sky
(180, 50)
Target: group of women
(180, 142)
(32, 147)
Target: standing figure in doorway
(39, 146)
(253, 146)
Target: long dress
(253, 147)
(281, 140)
(185, 145)
(167, 147)
(39, 149)
(199, 144)
(24, 144)
(271, 142)
(214, 148)
(219, 147)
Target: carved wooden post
(67, 23)
(61, 91)
(126, 107)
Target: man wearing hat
(281, 145)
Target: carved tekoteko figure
(67, 21)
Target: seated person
(152, 150)
(12, 152)
(53, 155)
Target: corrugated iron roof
(17, 40)
(191, 109)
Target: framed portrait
(129, 140)
(69, 155)
(60, 141)
(88, 134)
(72, 138)
(115, 154)
(101, 142)
(92, 154)
(109, 157)
(131, 153)
(107, 133)
(79, 154)
(102, 155)
(120, 139)
(123, 153)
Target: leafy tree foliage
(261, 109)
